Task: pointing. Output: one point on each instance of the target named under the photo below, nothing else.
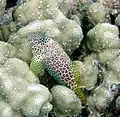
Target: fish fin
(37, 66)
(81, 94)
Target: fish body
(57, 62)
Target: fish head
(38, 41)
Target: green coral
(66, 32)
(111, 5)
(20, 89)
(2, 8)
(6, 110)
(96, 13)
(103, 36)
(104, 94)
(117, 21)
(6, 51)
(103, 40)
(96, 70)
(88, 71)
(107, 55)
(8, 26)
(65, 101)
(118, 103)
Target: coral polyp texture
(56, 61)
(59, 58)
(65, 32)
(20, 90)
(2, 8)
(104, 39)
(113, 5)
(72, 105)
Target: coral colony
(59, 58)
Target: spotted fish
(57, 62)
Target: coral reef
(104, 94)
(117, 21)
(66, 28)
(65, 102)
(59, 58)
(103, 36)
(20, 90)
(68, 36)
(97, 13)
(118, 103)
(112, 5)
(6, 51)
(2, 8)
(88, 71)
(104, 40)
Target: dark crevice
(112, 19)
(10, 3)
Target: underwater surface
(59, 58)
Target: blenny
(56, 61)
